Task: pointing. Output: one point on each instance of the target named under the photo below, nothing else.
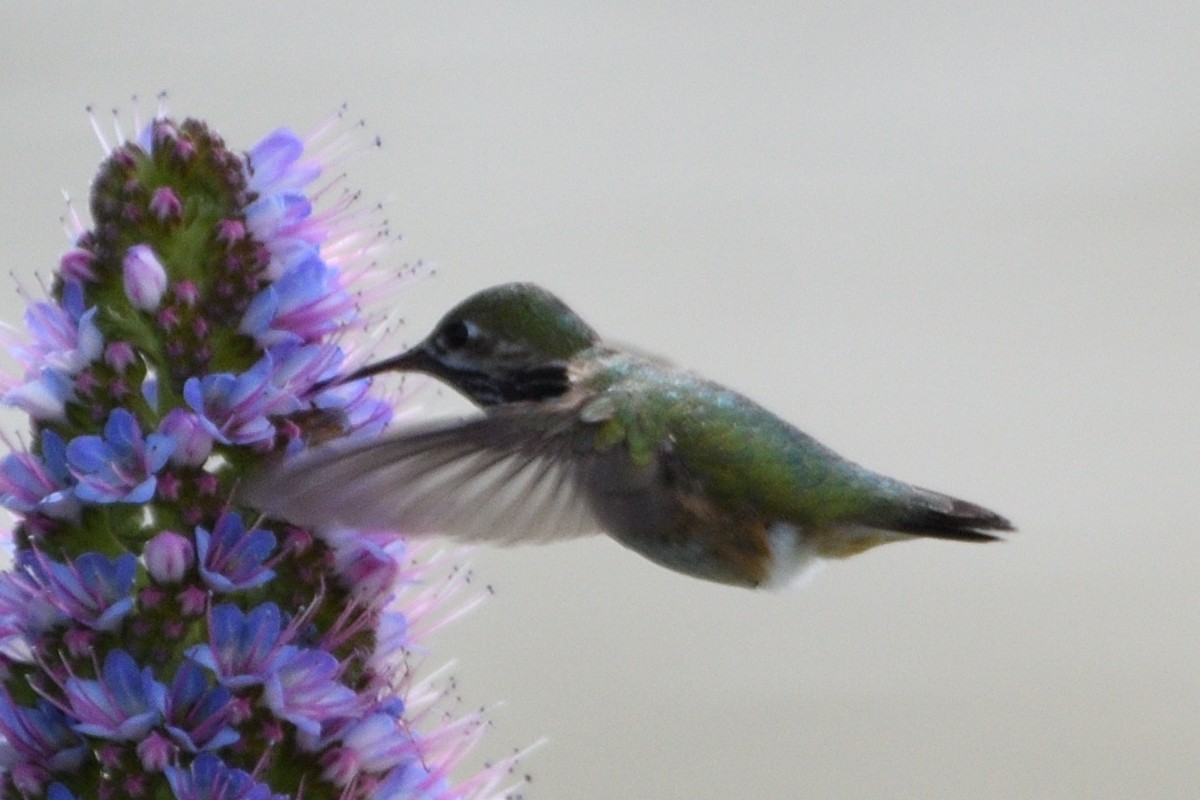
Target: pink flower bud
(367, 569)
(168, 556)
(193, 601)
(145, 277)
(165, 205)
(187, 292)
(119, 355)
(193, 444)
(231, 230)
(156, 752)
(80, 641)
(76, 264)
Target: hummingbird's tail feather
(940, 516)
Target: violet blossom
(158, 638)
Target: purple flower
(235, 409)
(306, 303)
(241, 645)
(122, 706)
(232, 558)
(24, 611)
(193, 601)
(377, 743)
(198, 716)
(302, 687)
(44, 397)
(145, 278)
(120, 466)
(30, 483)
(65, 337)
(275, 164)
(40, 735)
(282, 223)
(93, 590)
(209, 779)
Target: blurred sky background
(957, 244)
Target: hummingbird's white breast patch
(794, 562)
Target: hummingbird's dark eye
(455, 334)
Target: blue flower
(281, 217)
(43, 397)
(122, 706)
(31, 483)
(24, 611)
(209, 779)
(235, 409)
(198, 716)
(306, 303)
(120, 466)
(365, 414)
(411, 779)
(40, 735)
(282, 223)
(231, 559)
(377, 743)
(274, 164)
(297, 368)
(241, 644)
(65, 337)
(94, 590)
(302, 687)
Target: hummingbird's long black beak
(415, 360)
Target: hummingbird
(577, 436)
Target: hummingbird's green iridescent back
(751, 469)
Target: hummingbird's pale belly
(794, 561)
(798, 555)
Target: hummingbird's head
(505, 344)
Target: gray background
(957, 245)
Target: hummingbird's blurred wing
(501, 478)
